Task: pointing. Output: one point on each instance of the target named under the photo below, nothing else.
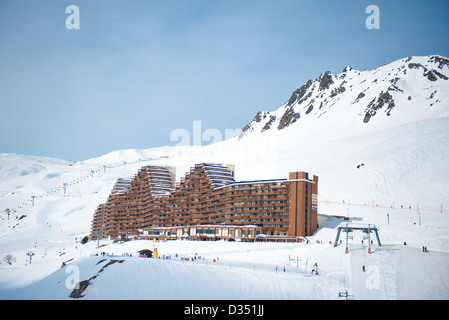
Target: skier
(363, 268)
(315, 270)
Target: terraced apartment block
(153, 204)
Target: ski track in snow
(378, 281)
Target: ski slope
(233, 270)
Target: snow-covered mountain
(409, 89)
(378, 134)
(377, 140)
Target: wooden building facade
(208, 195)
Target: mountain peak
(412, 82)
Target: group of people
(424, 248)
(277, 268)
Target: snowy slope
(394, 120)
(233, 270)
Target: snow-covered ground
(402, 188)
(234, 270)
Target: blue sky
(138, 69)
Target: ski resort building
(208, 204)
(201, 232)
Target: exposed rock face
(432, 74)
(82, 285)
(384, 98)
(269, 123)
(326, 80)
(289, 117)
(298, 94)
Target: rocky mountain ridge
(371, 92)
